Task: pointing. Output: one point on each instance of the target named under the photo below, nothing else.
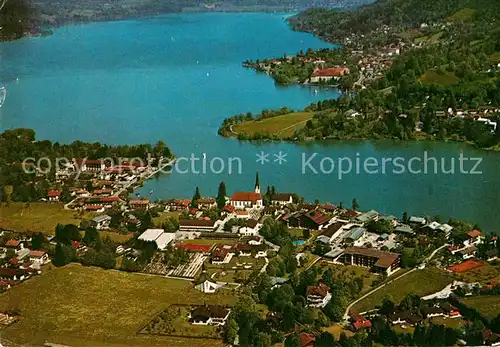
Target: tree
(405, 217)
(221, 196)
(325, 340)
(196, 197)
(231, 331)
(91, 237)
(263, 340)
(63, 254)
(292, 341)
(355, 204)
(37, 241)
(387, 305)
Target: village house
(209, 315)
(139, 204)
(39, 258)
(242, 200)
(306, 340)
(177, 205)
(84, 165)
(13, 274)
(368, 216)
(251, 228)
(376, 260)
(101, 222)
(318, 295)
(103, 192)
(16, 245)
(193, 225)
(325, 75)
(206, 203)
(359, 322)
(222, 254)
(312, 219)
(282, 199)
(328, 233)
(475, 237)
(53, 195)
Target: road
(346, 313)
(148, 176)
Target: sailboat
(3, 95)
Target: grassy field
(36, 217)
(487, 305)
(421, 282)
(163, 216)
(283, 126)
(495, 57)
(336, 330)
(432, 76)
(430, 39)
(462, 15)
(83, 306)
(483, 274)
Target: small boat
(3, 95)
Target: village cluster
(224, 252)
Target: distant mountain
(20, 17)
(336, 24)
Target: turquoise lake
(176, 77)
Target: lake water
(176, 77)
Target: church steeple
(257, 184)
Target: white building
(161, 238)
(243, 200)
(318, 295)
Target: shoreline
(47, 29)
(495, 149)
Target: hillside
(336, 24)
(21, 17)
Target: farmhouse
(53, 195)
(196, 225)
(246, 200)
(359, 322)
(375, 259)
(39, 257)
(209, 315)
(222, 254)
(318, 295)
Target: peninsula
(436, 76)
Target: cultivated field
(422, 282)
(283, 126)
(36, 216)
(84, 306)
(487, 305)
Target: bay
(176, 77)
